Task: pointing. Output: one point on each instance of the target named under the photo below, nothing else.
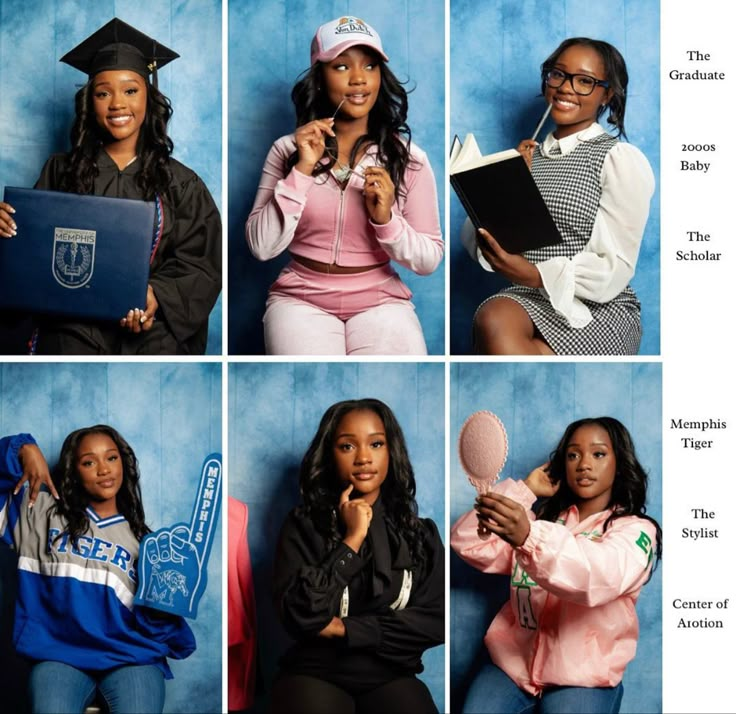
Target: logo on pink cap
(336, 36)
(352, 24)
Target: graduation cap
(118, 45)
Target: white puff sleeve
(606, 264)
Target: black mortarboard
(118, 45)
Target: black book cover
(503, 198)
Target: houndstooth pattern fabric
(570, 186)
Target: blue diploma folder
(79, 256)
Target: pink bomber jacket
(315, 218)
(571, 617)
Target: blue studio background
(170, 414)
(37, 91)
(536, 402)
(496, 51)
(268, 50)
(274, 411)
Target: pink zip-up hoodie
(571, 618)
(315, 218)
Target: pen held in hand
(541, 122)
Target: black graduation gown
(381, 644)
(186, 274)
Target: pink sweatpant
(368, 313)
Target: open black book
(499, 194)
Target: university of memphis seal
(74, 256)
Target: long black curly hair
(87, 138)
(629, 492)
(387, 127)
(73, 499)
(616, 74)
(320, 488)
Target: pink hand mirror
(483, 448)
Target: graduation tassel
(154, 68)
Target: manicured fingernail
(143, 319)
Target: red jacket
(241, 603)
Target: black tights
(300, 694)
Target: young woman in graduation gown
(120, 149)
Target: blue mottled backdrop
(536, 402)
(37, 91)
(274, 411)
(496, 49)
(171, 416)
(268, 50)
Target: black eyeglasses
(582, 84)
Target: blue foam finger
(164, 544)
(172, 562)
(207, 506)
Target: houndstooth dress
(571, 188)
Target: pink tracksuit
(314, 217)
(571, 618)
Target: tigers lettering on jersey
(89, 548)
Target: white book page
(470, 157)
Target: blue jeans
(56, 687)
(494, 692)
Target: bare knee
(503, 327)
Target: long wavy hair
(387, 127)
(73, 499)
(88, 137)
(320, 487)
(616, 74)
(629, 492)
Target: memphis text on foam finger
(210, 496)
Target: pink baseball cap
(336, 36)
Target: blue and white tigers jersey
(75, 600)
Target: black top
(186, 272)
(380, 643)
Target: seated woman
(358, 577)
(78, 540)
(569, 629)
(574, 298)
(345, 194)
